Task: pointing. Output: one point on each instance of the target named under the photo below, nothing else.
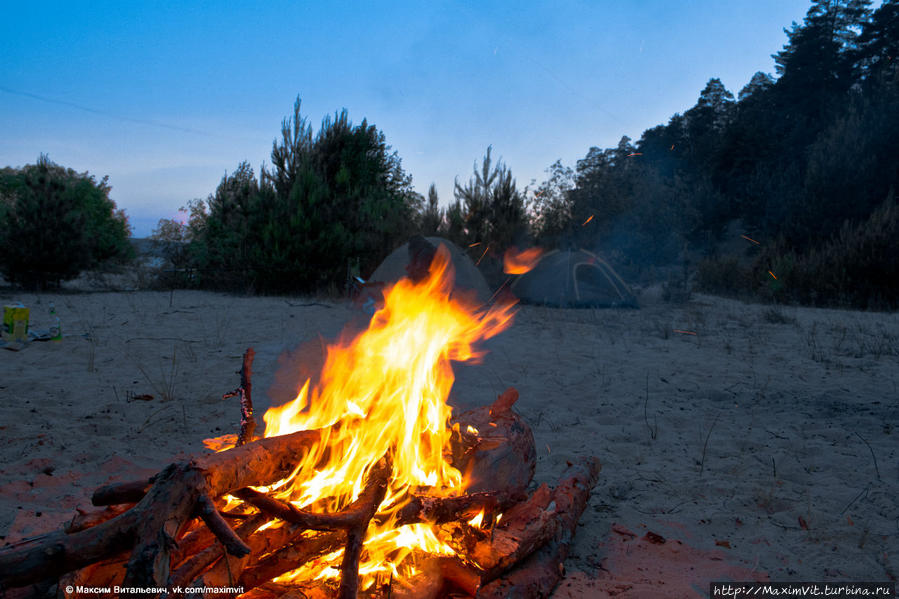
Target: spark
(482, 255)
(773, 275)
(476, 243)
(589, 218)
(750, 239)
(501, 287)
(683, 332)
(635, 154)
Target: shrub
(722, 275)
(858, 268)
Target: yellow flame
(385, 391)
(477, 520)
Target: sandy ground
(758, 442)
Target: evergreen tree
(493, 208)
(551, 206)
(432, 215)
(877, 46)
(330, 200)
(56, 223)
(759, 83)
(815, 66)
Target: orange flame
(382, 391)
(518, 263)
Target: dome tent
(403, 259)
(573, 279)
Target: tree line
(802, 166)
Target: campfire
(365, 485)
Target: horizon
(442, 82)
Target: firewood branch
(207, 512)
(203, 560)
(371, 497)
(245, 392)
(295, 549)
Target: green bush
(55, 223)
(856, 268)
(722, 275)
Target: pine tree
(432, 215)
(55, 223)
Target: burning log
(522, 556)
(538, 575)
(525, 527)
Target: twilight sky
(166, 97)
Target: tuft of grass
(164, 384)
(775, 315)
(654, 429)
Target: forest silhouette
(785, 192)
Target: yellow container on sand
(15, 323)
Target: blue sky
(166, 97)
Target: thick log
(151, 525)
(438, 510)
(492, 550)
(116, 493)
(539, 574)
(191, 543)
(522, 530)
(494, 448)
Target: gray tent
(573, 279)
(467, 275)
